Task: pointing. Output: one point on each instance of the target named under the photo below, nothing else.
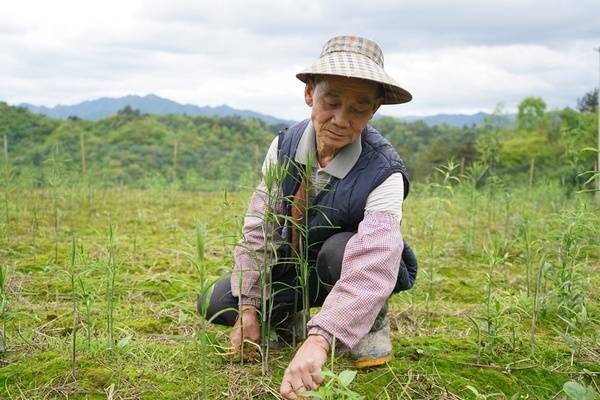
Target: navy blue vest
(340, 206)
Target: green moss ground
(437, 351)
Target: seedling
(336, 387)
(575, 331)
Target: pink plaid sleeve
(371, 262)
(249, 252)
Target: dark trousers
(287, 297)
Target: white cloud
(460, 56)
(474, 78)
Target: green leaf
(312, 394)
(328, 374)
(125, 341)
(569, 323)
(346, 377)
(568, 339)
(577, 391)
(472, 389)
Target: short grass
(474, 250)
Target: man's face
(341, 108)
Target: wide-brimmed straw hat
(356, 57)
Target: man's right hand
(246, 328)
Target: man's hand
(304, 371)
(246, 327)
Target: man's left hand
(304, 371)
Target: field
(505, 306)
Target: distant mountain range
(152, 104)
(449, 119)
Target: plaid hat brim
(354, 65)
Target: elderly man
(357, 256)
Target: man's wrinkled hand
(246, 328)
(304, 371)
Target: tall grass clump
(72, 274)
(430, 228)
(86, 295)
(494, 308)
(523, 233)
(273, 178)
(572, 234)
(538, 301)
(3, 307)
(34, 228)
(55, 181)
(275, 218)
(501, 316)
(112, 269)
(198, 260)
(442, 192)
(199, 263)
(576, 326)
(300, 255)
(6, 182)
(575, 242)
(471, 180)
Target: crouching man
(356, 253)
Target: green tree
(589, 101)
(531, 111)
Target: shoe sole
(372, 362)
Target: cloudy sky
(454, 56)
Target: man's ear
(377, 104)
(309, 91)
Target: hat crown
(354, 44)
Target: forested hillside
(213, 153)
